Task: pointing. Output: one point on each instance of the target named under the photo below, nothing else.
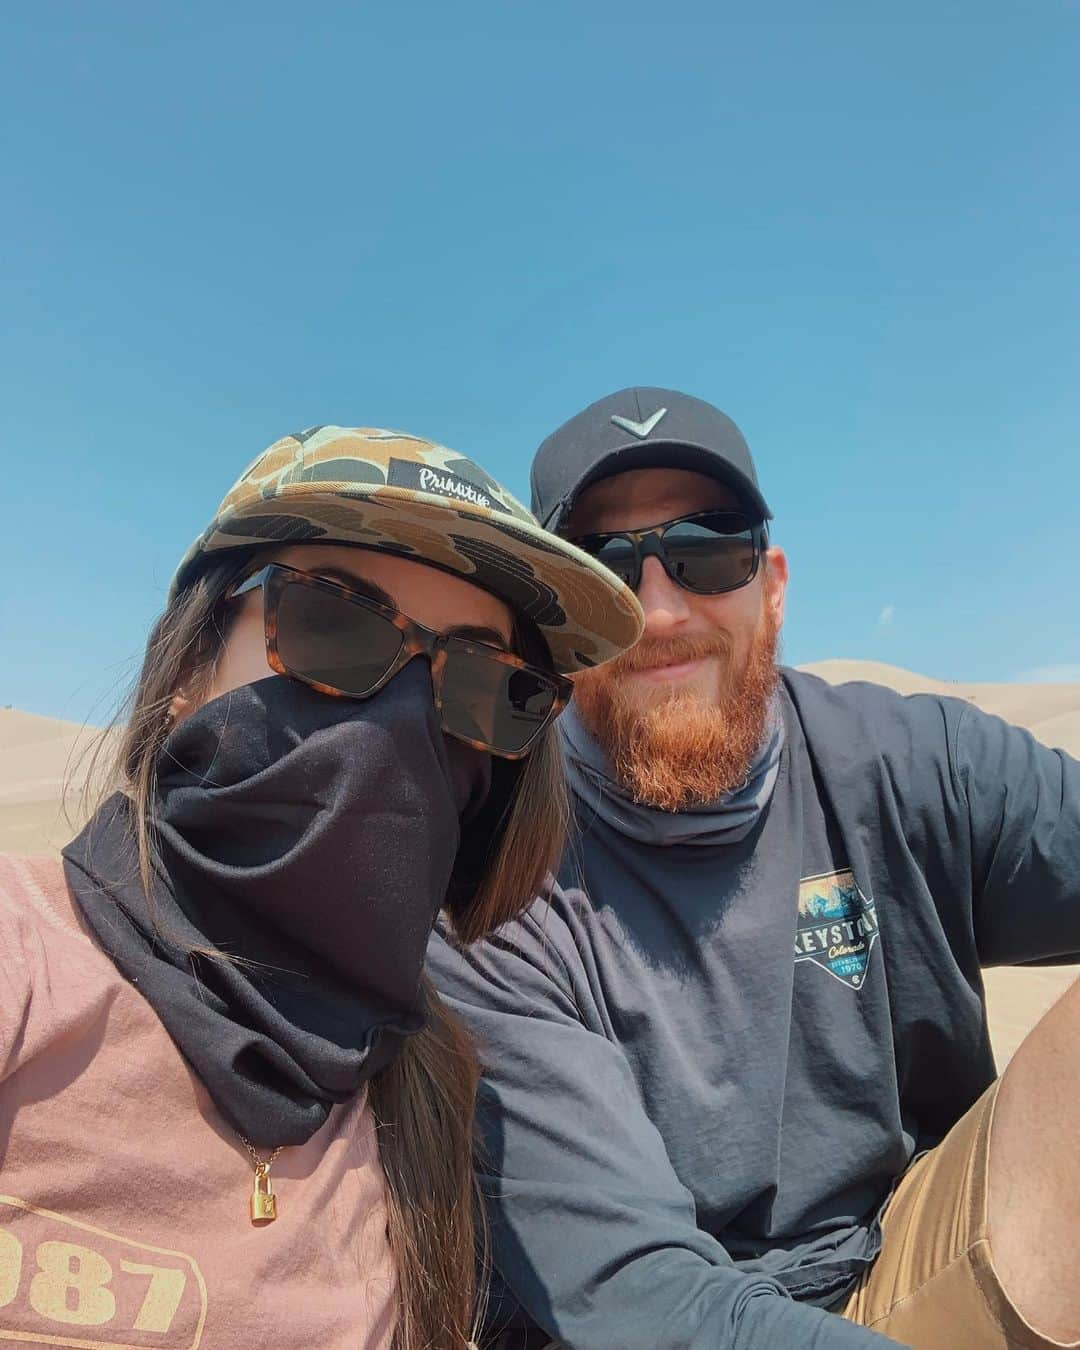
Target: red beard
(682, 750)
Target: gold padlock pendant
(263, 1200)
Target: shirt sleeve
(592, 1232)
(1023, 804)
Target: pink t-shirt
(124, 1195)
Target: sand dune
(43, 772)
(44, 765)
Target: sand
(44, 765)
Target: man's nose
(665, 604)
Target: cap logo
(640, 429)
(440, 482)
(449, 485)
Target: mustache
(679, 749)
(652, 652)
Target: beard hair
(682, 750)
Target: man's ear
(776, 580)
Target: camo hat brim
(410, 497)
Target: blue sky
(857, 233)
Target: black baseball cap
(641, 428)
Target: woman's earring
(179, 707)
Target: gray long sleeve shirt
(706, 1067)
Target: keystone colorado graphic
(837, 926)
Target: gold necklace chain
(263, 1200)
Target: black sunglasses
(345, 644)
(708, 552)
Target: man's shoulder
(863, 738)
(857, 694)
(876, 711)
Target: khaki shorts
(934, 1287)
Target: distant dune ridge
(44, 765)
(43, 772)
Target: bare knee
(1034, 1176)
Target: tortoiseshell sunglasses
(343, 643)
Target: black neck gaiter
(311, 839)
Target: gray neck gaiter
(725, 821)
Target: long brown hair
(424, 1101)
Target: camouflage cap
(388, 490)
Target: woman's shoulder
(20, 949)
(42, 952)
(35, 900)
(28, 888)
(26, 882)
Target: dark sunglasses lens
(615, 552)
(711, 553)
(324, 638)
(488, 701)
